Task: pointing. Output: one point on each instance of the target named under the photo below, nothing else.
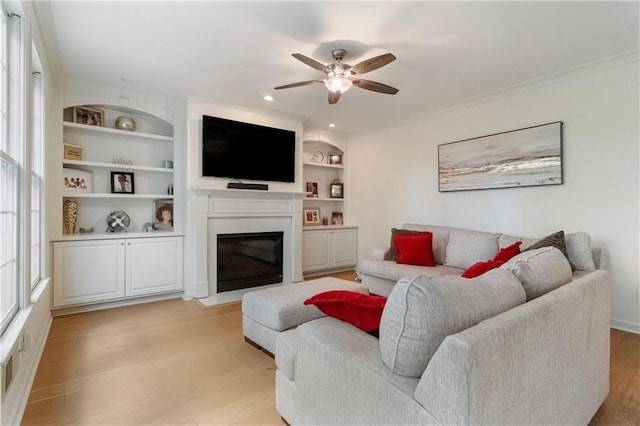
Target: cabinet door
(315, 250)
(344, 247)
(87, 271)
(154, 265)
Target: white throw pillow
(540, 270)
(466, 247)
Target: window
(37, 145)
(22, 184)
(9, 183)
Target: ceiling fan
(340, 77)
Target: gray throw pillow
(554, 240)
(422, 311)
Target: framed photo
(72, 152)
(335, 158)
(122, 183)
(311, 216)
(312, 189)
(163, 215)
(88, 115)
(77, 181)
(337, 218)
(337, 190)
(517, 158)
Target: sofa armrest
(341, 379)
(378, 253)
(527, 365)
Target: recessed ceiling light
(332, 125)
(268, 98)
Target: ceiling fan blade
(311, 62)
(372, 64)
(333, 98)
(302, 83)
(374, 86)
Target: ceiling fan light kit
(340, 76)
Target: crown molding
(616, 61)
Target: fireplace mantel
(237, 210)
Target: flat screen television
(236, 150)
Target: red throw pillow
(360, 310)
(415, 249)
(508, 252)
(480, 268)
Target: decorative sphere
(125, 123)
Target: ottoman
(267, 312)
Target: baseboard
(16, 419)
(625, 326)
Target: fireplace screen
(249, 260)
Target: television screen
(231, 149)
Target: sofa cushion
(360, 310)
(422, 311)
(392, 253)
(466, 247)
(579, 251)
(540, 270)
(578, 247)
(440, 238)
(415, 249)
(392, 271)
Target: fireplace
(249, 260)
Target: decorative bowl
(125, 123)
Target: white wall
(600, 194)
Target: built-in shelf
(335, 200)
(119, 195)
(324, 166)
(116, 166)
(69, 126)
(115, 235)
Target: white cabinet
(329, 249)
(99, 270)
(151, 265)
(87, 271)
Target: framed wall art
(88, 115)
(337, 218)
(122, 183)
(72, 152)
(311, 217)
(75, 181)
(163, 215)
(337, 190)
(335, 158)
(525, 157)
(312, 189)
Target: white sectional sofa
(456, 249)
(526, 343)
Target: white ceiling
(236, 52)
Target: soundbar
(239, 185)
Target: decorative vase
(125, 123)
(69, 215)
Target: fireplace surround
(229, 211)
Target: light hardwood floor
(175, 363)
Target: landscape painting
(524, 157)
